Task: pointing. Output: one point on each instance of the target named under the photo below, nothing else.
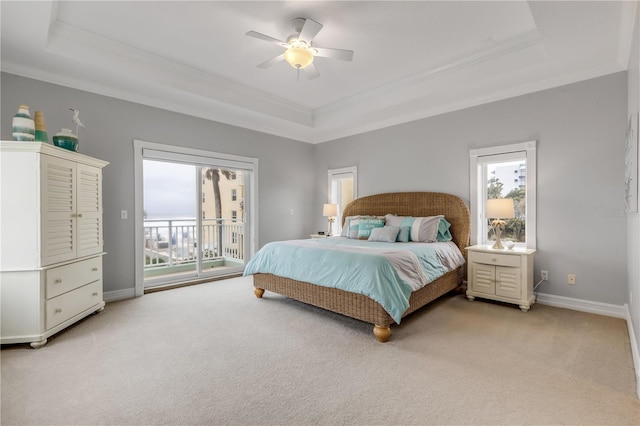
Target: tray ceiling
(412, 59)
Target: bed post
(382, 332)
(258, 292)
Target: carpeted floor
(215, 354)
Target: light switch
(124, 214)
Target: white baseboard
(634, 348)
(112, 296)
(600, 308)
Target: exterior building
(511, 175)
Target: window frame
(482, 156)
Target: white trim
(475, 159)
(502, 149)
(635, 355)
(607, 309)
(335, 174)
(112, 296)
(353, 170)
(197, 155)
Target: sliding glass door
(195, 216)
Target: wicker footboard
(352, 304)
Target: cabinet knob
(57, 281)
(58, 311)
(79, 215)
(494, 259)
(94, 269)
(95, 293)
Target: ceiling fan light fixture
(298, 57)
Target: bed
(360, 306)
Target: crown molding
(72, 42)
(419, 108)
(214, 111)
(516, 44)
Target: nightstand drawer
(495, 259)
(65, 278)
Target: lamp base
(498, 226)
(329, 222)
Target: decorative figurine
(76, 119)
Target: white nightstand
(317, 236)
(504, 275)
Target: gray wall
(580, 129)
(286, 178)
(633, 220)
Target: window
(491, 171)
(234, 192)
(343, 188)
(234, 215)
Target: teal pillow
(443, 230)
(366, 225)
(403, 235)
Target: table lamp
(498, 209)
(330, 211)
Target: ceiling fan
(299, 51)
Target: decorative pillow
(345, 227)
(403, 235)
(443, 230)
(425, 229)
(366, 225)
(350, 228)
(386, 234)
(399, 221)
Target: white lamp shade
(500, 208)
(329, 210)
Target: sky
(169, 190)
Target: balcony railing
(174, 242)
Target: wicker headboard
(417, 204)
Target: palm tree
(214, 176)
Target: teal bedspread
(384, 272)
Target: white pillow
(386, 234)
(425, 229)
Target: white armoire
(51, 243)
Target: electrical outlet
(544, 275)
(571, 279)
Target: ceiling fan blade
(311, 72)
(310, 29)
(325, 52)
(268, 38)
(270, 62)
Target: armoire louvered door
(72, 207)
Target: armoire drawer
(68, 277)
(63, 307)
